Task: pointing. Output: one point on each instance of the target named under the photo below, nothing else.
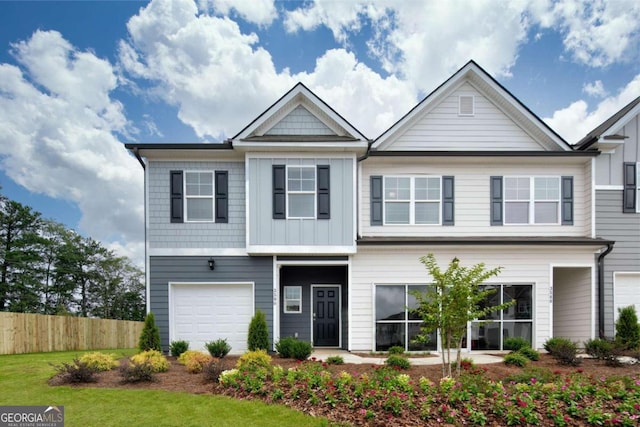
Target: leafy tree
(258, 338)
(627, 328)
(150, 336)
(455, 299)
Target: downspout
(601, 289)
(146, 260)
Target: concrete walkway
(375, 359)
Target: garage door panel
(208, 312)
(626, 291)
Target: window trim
(212, 197)
(637, 187)
(314, 193)
(412, 200)
(532, 200)
(285, 300)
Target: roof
(593, 136)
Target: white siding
(521, 265)
(472, 207)
(443, 129)
(609, 164)
(572, 304)
(300, 122)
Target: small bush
(292, 348)
(627, 328)
(178, 347)
(397, 361)
(100, 361)
(529, 353)
(136, 372)
(563, 350)
(540, 375)
(335, 360)
(258, 338)
(302, 350)
(150, 336)
(77, 372)
(598, 348)
(396, 349)
(194, 360)
(516, 359)
(218, 348)
(515, 343)
(254, 359)
(213, 369)
(153, 358)
(284, 347)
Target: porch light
(212, 263)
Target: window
(395, 324)
(514, 321)
(199, 197)
(412, 200)
(301, 191)
(531, 200)
(293, 299)
(638, 187)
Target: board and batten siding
(164, 270)
(609, 164)
(336, 231)
(162, 234)
(472, 196)
(443, 129)
(573, 304)
(521, 265)
(624, 229)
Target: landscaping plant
(137, 372)
(397, 361)
(292, 348)
(153, 358)
(218, 348)
(335, 360)
(99, 361)
(194, 361)
(563, 350)
(627, 328)
(516, 359)
(258, 338)
(515, 343)
(77, 372)
(178, 347)
(150, 336)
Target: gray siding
(290, 324)
(164, 234)
(195, 269)
(337, 231)
(609, 165)
(612, 224)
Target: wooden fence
(36, 333)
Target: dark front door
(326, 316)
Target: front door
(326, 316)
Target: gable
(300, 122)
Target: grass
(23, 381)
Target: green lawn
(23, 381)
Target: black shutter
(629, 190)
(447, 200)
(496, 200)
(176, 198)
(222, 196)
(376, 200)
(567, 200)
(324, 202)
(279, 192)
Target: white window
(412, 199)
(199, 198)
(301, 191)
(532, 200)
(293, 299)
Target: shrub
(302, 350)
(77, 372)
(515, 343)
(218, 348)
(563, 350)
(529, 353)
(258, 338)
(178, 347)
(194, 361)
(598, 348)
(396, 349)
(335, 360)
(136, 372)
(99, 361)
(153, 358)
(529, 373)
(284, 347)
(254, 359)
(213, 369)
(290, 347)
(627, 328)
(516, 359)
(397, 361)
(150, 336)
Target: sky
(78, 79)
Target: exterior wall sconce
(212, 264)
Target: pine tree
(258, 333)
(150, 336)
(627, 328)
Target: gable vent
(465, 105)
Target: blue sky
(79, 78)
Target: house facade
(301, 216)
(617, 210)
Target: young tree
(258, 338)
(627, 328)
(150, 336)
(455, 299)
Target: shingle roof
(593, 136)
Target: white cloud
(58, 125)
(595, 89)
(575, 121)
(261, 12)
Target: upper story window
(531, 200)
(301, 191)
(412, 200)
(199, 198)
(631, 188)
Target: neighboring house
(301, 216)
(617, 210)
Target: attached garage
(626, 291)
(202, 312)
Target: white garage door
(207, 312)
(626, 288)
